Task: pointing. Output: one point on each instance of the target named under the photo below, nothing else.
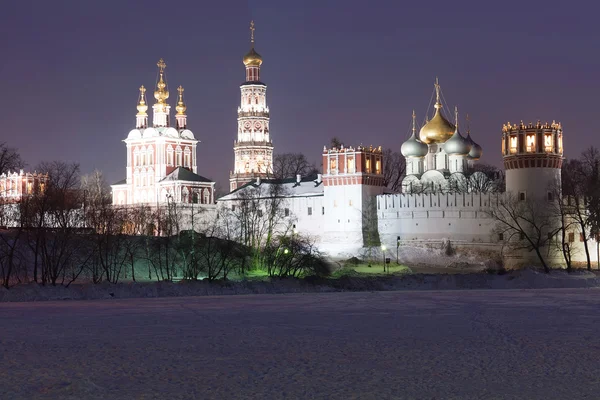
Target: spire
(141, 119)
(142, 107)
(414, 125)
(161, 94)
(180, 116)
(468, 125)
(252, 33)
(180, 104)
(456, 117)
(438, 103)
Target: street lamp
(383, 250)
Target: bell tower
(253, 149)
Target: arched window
(206, 196)
(170, 155)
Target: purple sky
(352, 69)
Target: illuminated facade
(253, 149)
(15, 185)
(161, 159)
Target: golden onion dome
(142, 107)
(438, 129)
(252, 59)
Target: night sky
(352, 69)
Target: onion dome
(142, 107)
(438, 129)
(180, 104)
(457, 144)
(252, 58)
(413, 147)
(476, 150)
(161, 94)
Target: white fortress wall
(427, 220)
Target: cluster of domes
(440, 131)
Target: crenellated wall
(461, 217)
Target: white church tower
(253, 149)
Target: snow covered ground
(477, 344)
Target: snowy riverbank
(525, 279)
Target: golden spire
(252, 33)
(180, 104)
(142, 107)
(161, 94)
(438, 104)
(414, 128)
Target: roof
(184, 174)
(307, 187)
(121, 182)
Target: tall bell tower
(253, 148)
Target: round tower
(533, 157)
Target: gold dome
(180, 104)
(252, 59)
(438, 129)
(142, 107)
(161, 94)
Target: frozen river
(542, 344)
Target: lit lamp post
(383, 251)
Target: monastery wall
(430, 220)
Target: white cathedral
(335, 207)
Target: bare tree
(108, 224)
(260, 216)
(289, 165)
(10, 159)
(394, 170)
(62, 247)
(590, 164)
(525, 225)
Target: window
(581, 237)
(287, 212)
(571, 237)
(513, 144)
(322, 210)
(350, 202)
(350, 165)
(522, 196)
(500, 237)
(260, 213)
(530, 143)
(548, 142)
(309, 210)
(550, 196)
(332, 164)
(233, 207)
